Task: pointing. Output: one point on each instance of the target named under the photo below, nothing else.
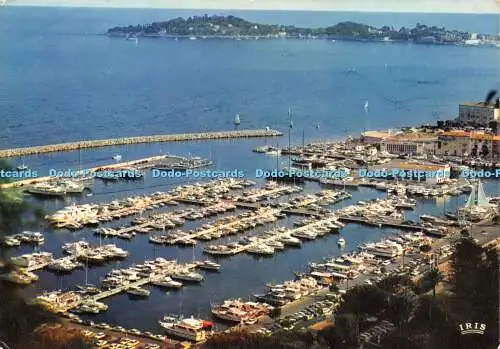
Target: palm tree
(435, 276)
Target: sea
(62, 79)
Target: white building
(478, 113)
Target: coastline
(295, 37)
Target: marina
(308, 217)
(233, 221)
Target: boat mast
(277, 159)
(290, 139)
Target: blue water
(62, 81)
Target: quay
(138, 162)
(300, 212)
(50, 148)
(395, 224)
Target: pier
(117, 290)
(395, 224)
(264, 213)
(51, 148)
(266, 192)
(138, 162)
(280, 235)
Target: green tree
(435, 277)
(18, 318)
(425, 248)
(347, 329)
(363, 301)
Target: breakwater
(50, 148)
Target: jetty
(132, 163)
(181, 137)
(381, 223)
(169, 270)
(262, 213)
(279, 234)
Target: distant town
(474, 134)
(208, 27)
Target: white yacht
(290, 241)
(166, 282)
(306, 235)
(10, 241)
(277, 245)
(191, 329)
(117, 157)
(138, 291)
(65, 264)
(341, 242)
(46, 189)
(384, 250)
(186, 275)
(71, 187)
(261, 249)
(209, 265)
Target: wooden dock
(50, 148)
(120, 289)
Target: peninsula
(231, 27)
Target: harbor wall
(41, 149)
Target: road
(484, 232)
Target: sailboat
(365, 107)
(22, 167)
(237, 120)
(117, 157)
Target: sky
(448, 6)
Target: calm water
(61, 81)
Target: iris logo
(3, 345)
(472, 328)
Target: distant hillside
(234, 27)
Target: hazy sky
(489, 6)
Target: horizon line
(107, 6)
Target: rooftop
(478, 105)
(420, 166)
(472, 135)
(377, 134)
(414, 136)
